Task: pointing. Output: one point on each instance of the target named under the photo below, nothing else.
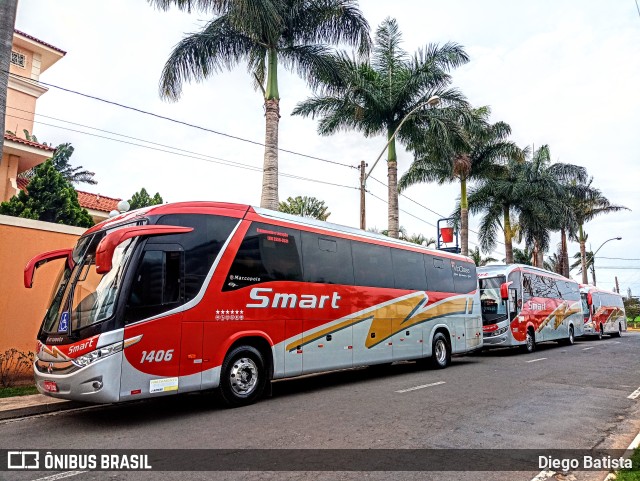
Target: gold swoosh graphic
(390, 318)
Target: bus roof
(586, 288)
(505, 269)
(244, 210)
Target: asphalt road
(558, 397)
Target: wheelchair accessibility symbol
(64, 322)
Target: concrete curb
(41, 408)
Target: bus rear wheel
(242, 377)
(570, 341)
(440, 351)
(618, 333)
(530, 341)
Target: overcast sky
(560, 72)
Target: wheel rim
(243, 376)
(441, 351)
(571, 335)
(529, 341)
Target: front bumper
(98, 382)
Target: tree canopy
(48, 197)
(143, 199)
(305, 207)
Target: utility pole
(363, 220)
(617, 286)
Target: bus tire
(600, 333)
(618, 333)
(530, 341)
(440, 351)
(570, 341)
(242, 377)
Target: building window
(18, 59)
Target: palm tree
(305, 207)
(522, 256)
(553, 263)
(421, 240)
(498, 199)
(60, 159)
(552, 188)
(7, 22)
(484, 145)
(263, 33)
(476, 255)
(588, 262)
(385, 95)
(587, 203)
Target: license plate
(50, 386)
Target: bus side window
(372, 265)
(326, 259)
(465, 279)
(267, 253)
(408, 270)
(439, 273)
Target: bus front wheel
(242, 377)
(440, 352)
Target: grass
(632, 474)
(17, 391)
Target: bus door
(154, 360)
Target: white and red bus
(201, 295)
(603, 312)
(523, 305)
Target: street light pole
(432, 101)
(593, 258)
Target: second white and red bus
(524, 305)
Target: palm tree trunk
(540, 258)
(583, 255)
(392, 166)
(7, 22)
(464, 218)
(269, 198)
(508, 240)
(564, 254)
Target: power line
(619, 258)
(181, 122)
(185, 153)
(427, 222)
(427, 208)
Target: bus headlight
(86, 359)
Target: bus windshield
(494, 309)
(83, 297)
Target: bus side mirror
(106, 247)
(504, 290)
(589, 299)
(41, 259)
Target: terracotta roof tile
(97, 201)
(86, 200)
(31, 37)
(30, 143)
